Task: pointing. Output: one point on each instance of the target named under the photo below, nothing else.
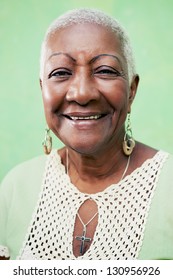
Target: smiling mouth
(84, 118)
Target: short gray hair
(88, 15)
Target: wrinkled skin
(85, 74)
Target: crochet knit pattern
(122, 214)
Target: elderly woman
(103, 195)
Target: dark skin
(89, 207)
(86, 76)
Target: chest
(116, 232)
(84, 228)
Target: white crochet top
(122, 214)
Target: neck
(86, 171)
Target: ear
(133, 90)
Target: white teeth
(86, 118)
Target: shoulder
(159, 217)
(24, 173)
(162, 160)
(169, 160)
(29, 165)
(141, 154)
(167, 169)
(164, 182)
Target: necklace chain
(83, 238)
(92, 218)
(126, 168)
(124, 173)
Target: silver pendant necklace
(84, 238)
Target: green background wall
(22, 26)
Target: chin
(86, 148)
(85, 143)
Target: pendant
(83, 239)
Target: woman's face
(85, 88)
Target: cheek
(116, 93)
(52, 98)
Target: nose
(82, 89)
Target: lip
(84, 116)
(84, 122)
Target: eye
(61, 73)
(107, 72)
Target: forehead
(86, 38)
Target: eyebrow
(92, 59)
(105, 54)
(59, 53)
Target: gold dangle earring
(47, 143)
(129, 142)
